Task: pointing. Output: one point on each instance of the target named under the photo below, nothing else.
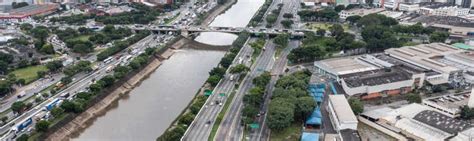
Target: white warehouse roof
(342, 108)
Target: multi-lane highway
(230, 128)
(201, 127)
(80, 84)
(263, 133)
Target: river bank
(86, 118)
(79, 123)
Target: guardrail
(208, 99)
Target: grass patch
(325, 26)
(30, 73)
(292, 133)
(221, 116)
(84, 38)
(169, 20)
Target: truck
(231, 77)
(53, 104)
(25, 123)
(42, 115)
(65, 95)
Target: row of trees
(120, 45)
(257, 18)
(218, 72)
(141, 15)
(290, 101)
(254, 99)
(81, 66)
(84, 99)
(326, 14)
(273, 16)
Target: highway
(230, 128)
(263, 133)
(200, 128)
(78, 85)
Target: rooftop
(344, 65)
(452, 102)
(462, 46)
(342, 109)
(376, 77)
(445, 20)
(434, 5)
(442, 122)
(32, 10)
(425, 55)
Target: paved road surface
(230, 128)
(263, 133)
(81, 84)
(200, 128)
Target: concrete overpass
(190, 30)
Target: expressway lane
(80, 84)
(262, 134)
(230, 128)
(200, 129)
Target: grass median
(221, 116)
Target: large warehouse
(23, 13)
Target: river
(151, 107)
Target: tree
(186, 119)
(321, 32)
(4, 119)
(414, 98)
(353, 19)
(26, 26)
(339, 8)
(438, 36)
(42, 125)
(18, 106)
(304, 107)
(54, 65)
(226, 61)
(240, 68)
(66, 80)
(219, 71)
(262, 80)
(356, 105)
(23, 137)
(40, 32)
(280, 114)
(288, 15)
(271, 18)
(287, 23)
(21, 81)
(16, 5)
(56, 112)
(379, 38)
(73, 107)
(3, 67)
(108, 80)
(213, 80)
(336, 30)
(466, 112)
(96, 87)
(47, 49)
(281, 40)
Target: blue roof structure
(315, 118)
(306, 136)
(317, 91)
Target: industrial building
(400, 70)
(447, 104)
(24, 13)
(341, 114)
(418, 122)
(431, 57)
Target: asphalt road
(230, 128)
(263, 133)
(81, 84)
(200, 128)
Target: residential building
(407, 7)
(444, 11)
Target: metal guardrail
(208, 99)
